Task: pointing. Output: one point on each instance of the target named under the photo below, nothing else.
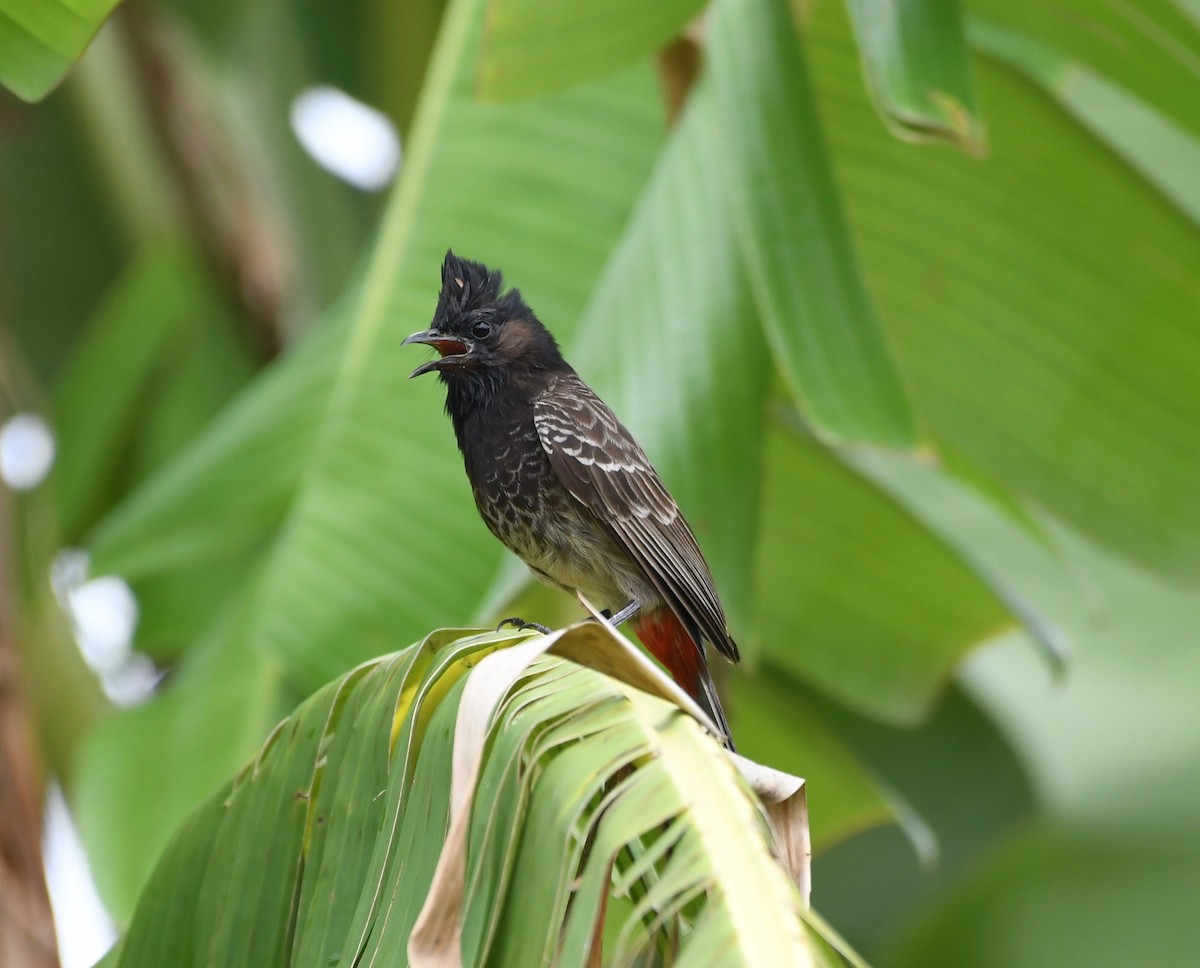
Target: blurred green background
(901, 297)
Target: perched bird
(563, 484)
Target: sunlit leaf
(340, 819)
(41, 39)
(803, 269)
(1047, 340)
(1164, 152)
(1149, 48)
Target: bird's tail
(669, 642)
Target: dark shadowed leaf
(158, 359)
(855, 596)
(1079, 895)
(958, 772)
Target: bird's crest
(467, 285)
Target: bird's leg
(520, 624)
(625, 614)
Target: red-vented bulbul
(562, 483)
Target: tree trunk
(26, 921)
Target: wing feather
(603, 467)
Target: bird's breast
(526, 506)
(517, 492)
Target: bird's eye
(481, 330)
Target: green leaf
(1046, 340)
(349, 811)
(803, 270)
(1164, 152)
(99, 389)
(156, 361)
(855, 596)
(1149, 50)
(262, 839)
(199, 505)
(190, 851)
(325, 848)
(46, 180)
(917, 66)
(41, 39)
(143, 770)
(538, 46)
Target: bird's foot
(520, 624)
(624, 615)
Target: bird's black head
(484, 335)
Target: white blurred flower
(105, 614)
(133, 682)
(84, 928)
(26, 451)
(346, 137)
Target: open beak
(452, 350)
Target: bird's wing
(601, 464)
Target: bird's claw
(520, 625)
